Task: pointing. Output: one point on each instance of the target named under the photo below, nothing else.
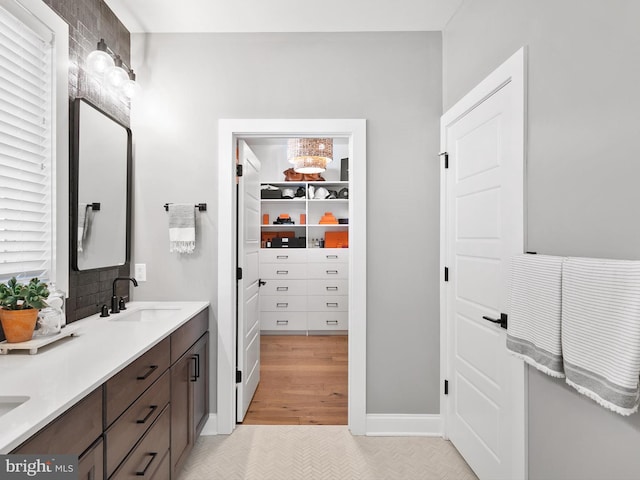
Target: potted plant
(19, 306)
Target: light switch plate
(140, 272)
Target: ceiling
(283, 15)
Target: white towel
(85, 215)
(182, 228)
(533, 332)
(601, 330)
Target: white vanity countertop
(63, 373)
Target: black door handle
(502, 321)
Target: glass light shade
(99, 62)
(130, 88)
(310, 155)
(116, 77)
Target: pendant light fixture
(310, 155)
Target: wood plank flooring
(303, 381)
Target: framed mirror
(100, 188)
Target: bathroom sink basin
(144, 315)
(9, 403)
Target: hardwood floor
(303, 381)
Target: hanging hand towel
(601, 330)
(182, 228)
(533, 332)
(85, 213)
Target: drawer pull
(332, 304)
(332, 289)
(332, 272)
(196, 368)
(153, 456)
(152, 368)
(282, 257)
(332, 257)
(282, 322)
(332, 322)
(282, 304)
(152, 408)
(282, 272)
(282, 289)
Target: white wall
(393, 80)
(583, 172)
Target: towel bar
(202, 207)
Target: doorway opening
(230, 131)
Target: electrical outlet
(140, 272)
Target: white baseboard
(404, 425)
(211, 427)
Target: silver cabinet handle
(282, 257)
(332, 289)
(282, 305)
(332, 272)
(282, 289)
(282, 272)
(282, 322)
(332, 257)
(332, 322)
(332, 304)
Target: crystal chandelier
(310, 155)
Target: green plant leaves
(17, 296)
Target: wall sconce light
(116, 74)
(310, 155)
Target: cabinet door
(181, 410)
(91, 465)
(201, 385)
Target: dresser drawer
(290, 271)
(277, 303)
(324, 270)
(328, 255)
(283, 287)
(147, 458)
(283, 255)
(188, 334)
(328, 321)
(122, 389)
(130, 427)
(336, 286)
(283, 321)
(328, 303)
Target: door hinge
(446, 274)
(446, 158)
(239, 274)
(238, 170)
(446, 387)
(238, 376)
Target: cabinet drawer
(283, 321)
(72, 432)
(328, 321)
(328, 255)
(324, 270)
(147, 458)
(328, 303)
(188, 334)
(289, 271)
(283, 255)
(91, 464)
(277, 303)
(126, 386)
(336, 286)
(283, 287)
(128, 429)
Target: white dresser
(305, 290)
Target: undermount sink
(144, 315)
(9, 403)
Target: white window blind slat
(26, 78)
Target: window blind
(26, 150)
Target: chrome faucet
(115, 304)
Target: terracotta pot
(18, 325)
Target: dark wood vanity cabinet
(189, 389)
(143, 422)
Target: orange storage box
(336, 239)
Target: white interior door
(248, 331)
(484, 227)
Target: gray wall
(583, 173)
(393, 80)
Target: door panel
(483, 222)
(248, 331)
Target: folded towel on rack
(533, 332)
(182, 228)
(601, 330)
(85, 215)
